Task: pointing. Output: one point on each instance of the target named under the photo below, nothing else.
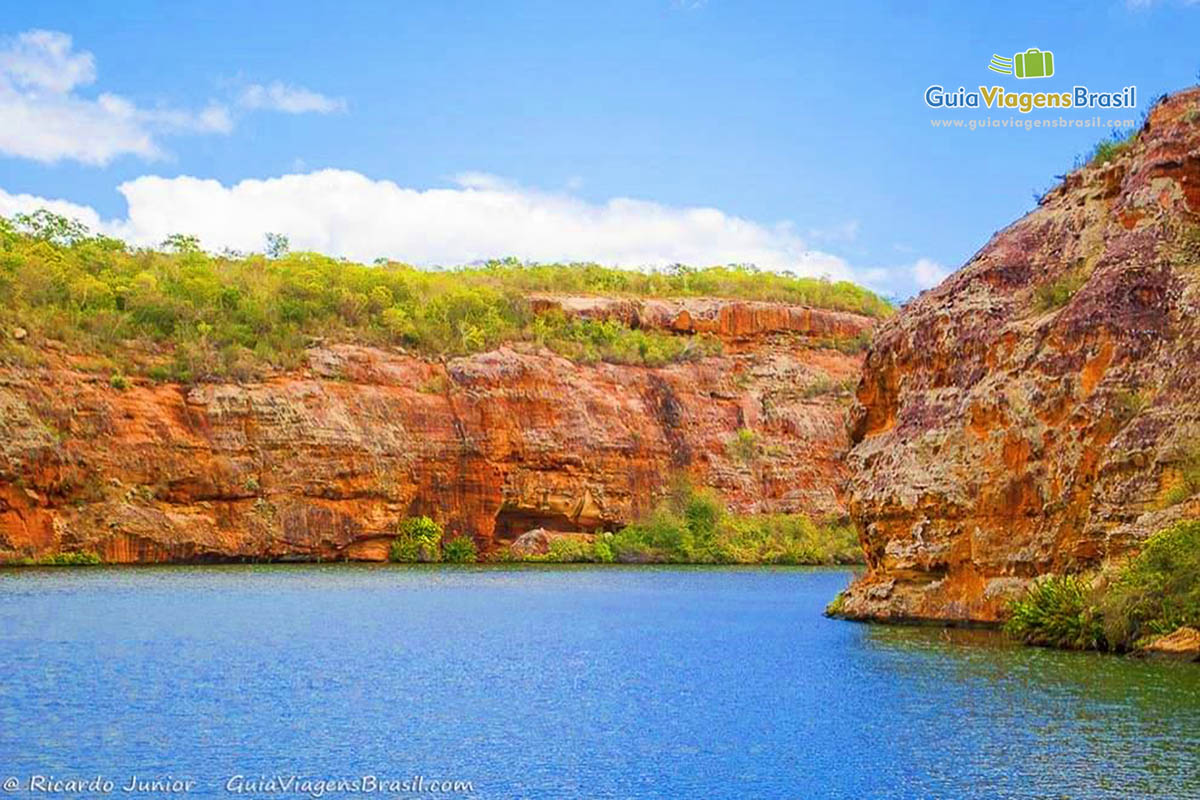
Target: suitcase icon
(1033, 63)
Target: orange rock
(323, 462)
(1000, 434)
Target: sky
(789, 135)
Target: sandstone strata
(323, 462)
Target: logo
(1033, 63)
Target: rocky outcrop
(1039, 411)
(323, 462)
(728, 319)
(1183, 644)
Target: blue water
(560, 683)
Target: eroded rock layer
(322, 463)
(1040, 410)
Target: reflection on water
(565, 682)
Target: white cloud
(927, 273)
(43, 60)
(11, 204)
(43, 118)
(278, 96)
(347, 214)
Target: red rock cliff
(1038, 411)
(324, 462)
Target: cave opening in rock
(512, 522)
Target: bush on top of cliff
(1153, 594)
(193, 315)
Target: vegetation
(1189, 476)
(570, 550)
(694, 526)
(744, 446)
(81, 558)
(178, 313)
(1056, 612)
(1112, 148)
(589, 341)
(1058, 293)
(1155, 593)
(460, 550)
(418, 539)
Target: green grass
(1108, 150)
(178, 313)
(1153, 594)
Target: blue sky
(804, 126)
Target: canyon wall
(1039, 411)
(323, 462)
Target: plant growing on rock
(418, 539)
(1108, 150)
(1057, 293)
(744, 445)
(1189, 476)
(694, 527)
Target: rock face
(1183, 644)
(1038, 412)
(323, 462)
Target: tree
(277, 245)
(51, 227)
(181, 243)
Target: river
(554, 682)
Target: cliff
(322, 461)
(1039, 411)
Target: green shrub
(80, 558)
(1158, 591)
(418, 539)
(694, 526)
(743, 446)
(602, 550)
(460, 550)
(1153, 594)
(118, 382)
(568, 549)
(1056, 611)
